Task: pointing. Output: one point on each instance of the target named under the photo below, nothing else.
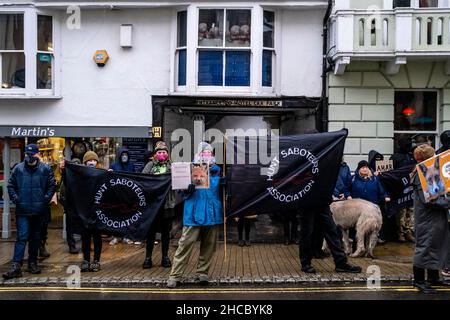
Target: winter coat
(118, 165)
(344, 181)
(155, 167)
(373, 155)
(32, 188)
(431, 230)
(203, 207)
(368, 189)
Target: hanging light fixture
(408, 111)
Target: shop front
(173, 117)
(58, 143)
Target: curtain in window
(210, 68)
(11, 38)
(237, 69)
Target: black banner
(398, 185)
(121, 204)
(302, 172)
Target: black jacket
(31, 188)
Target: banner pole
(225, 198)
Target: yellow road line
(211, 290)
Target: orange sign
(434, 174)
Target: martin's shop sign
(57, 131)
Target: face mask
(124, 158)
(91, 163)
(30, 160)
(163, 156)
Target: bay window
(229, 66)
(27, 61)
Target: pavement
(261, 264)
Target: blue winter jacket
(203, 207)
(344, 181)
(31, 189)
(118, 165)
(368, 189)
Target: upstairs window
(224, 53)
(421, 3)
(44, 61)
(268, 48)
(181, 47)
(12, 53)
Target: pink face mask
(162, 156)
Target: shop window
(12, 54)
(224, 67)
(402, 3)
(181, 46)
(44, 61)
(416, 116)
(428, 3)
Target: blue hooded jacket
(368, 189)
(203, 207)
(118, 165)
(344, 181)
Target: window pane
(237, 68)
(267, 68)
(13, 70)
(45, 42)
(182, 29)
(44, 71)
(402, 3)
(11, 31)
(210, 28)
(268, 27)
(182, 67)
(416, 138)
(210, 68)
(428, 3)
(415, 111)
(238, 28)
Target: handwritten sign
(384, 165)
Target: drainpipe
(322, 114)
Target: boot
(73, 250)
(84, 267)
(423, 286)
(348, 268)
(33, 268)
(241, 243)
(165, 262)
(147, 263)
(43, 253)
(14, 272)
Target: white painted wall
(301, 53)
(118, 94)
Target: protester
(244, 223)
(432, 236)
(290, 227)
(161, 164)
(31, 187)
(71, 223)
(374, 156)
(445, 145)
(343, 183)
(367, 186)
(122, 163)
(405, 216)
(202, 217)
(90, 232)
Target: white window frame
(192, 52)
(31, 51)
(271, 89)
(438, 116)
(389, 4)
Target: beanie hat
(161, 145)
(90, 155)
(361, 164)
(204, 146)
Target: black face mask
(30, 160)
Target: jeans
(28, 229)
(330, 231)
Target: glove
(214, 170)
